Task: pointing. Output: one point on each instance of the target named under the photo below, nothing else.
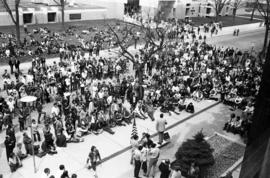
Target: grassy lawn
(255, 16)
(226, 20)
(93, 26)
(57, 27)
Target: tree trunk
(265, 36)
(216, 17)
(140, 74)
(17, 24)
(252, 14)
(234, 14)
(63, 13)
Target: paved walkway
(74, 155)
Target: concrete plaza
(75, 154)
(183, 126)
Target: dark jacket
(164, 169)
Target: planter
(226, 153)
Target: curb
(228, 138)
(233, 167)
(237, 163)
(155, 134)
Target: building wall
(95, 14)
(110, 9)
(6, 19)
(196, 8)
(115, 8)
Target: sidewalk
(74, 155)
(242, 28)
(108, 145)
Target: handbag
(166, 136)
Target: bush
(195, 150)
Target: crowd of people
(92, 94)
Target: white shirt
(55, 110)
(144, 154)
(137, 154)
(154, 153)
(176, 174)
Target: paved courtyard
(74, 156)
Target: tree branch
(124, 50)
(9, 10)
(57, 2)
(261, 9)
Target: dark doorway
(27, 18)
(132, 6)
(208, 10)
(51, 16)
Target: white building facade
(181, 9)
(46, 11)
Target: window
(51, 16)
(187, 11)
(27, 18)
(174, 10)
(75, 16)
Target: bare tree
(62, 4)
(154, 41)
(264, 8)
(16, 19)
(254, 7)
(236, 4)
(219, 5)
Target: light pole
(31, 99)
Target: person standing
(10, 145)
(164, 168)
(153, 159)
(36, 133)
(22, 119)
(237, 32)
(40, 111)
(137, 159)
(144, 156)
(11, 64)
(160, 127)
(25, 28)
(27, 141)
(134, 142)
(17, 65)
(93, 159)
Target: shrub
(195, 150)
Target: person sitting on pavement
(14, 162)
(190, 108)
(19, 152)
